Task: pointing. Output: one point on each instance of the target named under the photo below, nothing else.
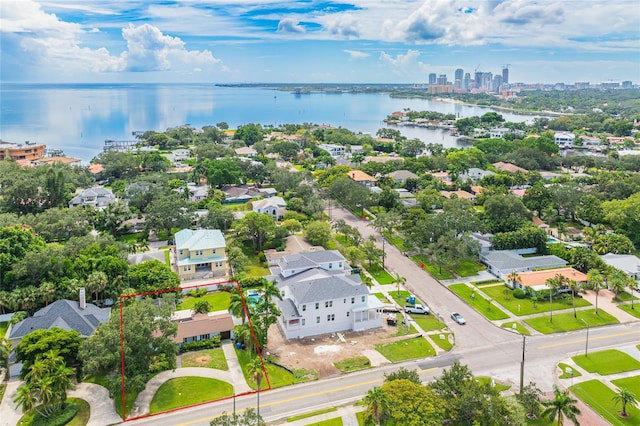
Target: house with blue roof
(200, 253)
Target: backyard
(218, 301)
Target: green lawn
(599, 397)
(130, 238)
(525, 306)
(185, 391)
(353, 364)
(497, 385)
(478, 302)
(167, 257)
(397, 241)
(562, 366)
(211, 358)
(129, 400)
(610, 361)
(625, 297)
(101, 380)
(336, 421)
(311, 414)
(403, 350)
(400, 297)
(381, 297)
(566, 321)
(84, 412)
(631, 384)
(433, 269)
(402, 328)
(518, 327)
(218, 301)
(442, 340)
(627, 308)
(428, 322)
(278, 377)
(360, 415)
(3, 328)
(467, 268)
(379, 274)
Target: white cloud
(289, 25)
(356, 54)
(400, 60)
(345, 25)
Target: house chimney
(83, 299)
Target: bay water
(78, 118)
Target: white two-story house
(320, 295)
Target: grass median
(526, 306)
(599, 396)
(403, 350)
(185, 391)
(478, 302)
(567, 322)
(606, 362)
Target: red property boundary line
(182, 290)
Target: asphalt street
(487, 349)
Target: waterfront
(79, 118)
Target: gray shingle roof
(65, 314)
(288, 309)
(327, 288)
(310, 259)
(506, 260)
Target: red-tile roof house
(508, 167)
(537, 280)
(362, 178)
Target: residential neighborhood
(229, 256)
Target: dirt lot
(318, 353)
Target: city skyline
(316, 41)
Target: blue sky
(323, 41)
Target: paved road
(486, 348)
(477, 333)
(500, 361)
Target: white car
(458, 318)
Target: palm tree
(573, 285)
(514, 278)
(632, 283)
(96, 282)
(47, 292)
(535, 296)
(554, 284)
(25, 397)
(377, 404)
(560, 406)
(596, 282)
(5, 351)
(624, 397)
(617, 281)
(236, 304)
(256, 372)
(399, 280)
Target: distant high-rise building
(459, 73)
(486, 81)
(505, 75)
(442, 79)
(497, 82)
(581, 84)
(477, 79)
(466, 83)
(432, 78)
(627, 84)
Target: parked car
(458, 318)
(416, 309)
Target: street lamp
(586, 343)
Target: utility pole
(586, 343)
(524, 345)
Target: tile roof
(508, 167)
(65, 314)
(199, 324)
(539, 278)
(359, 176)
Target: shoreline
(505, 109)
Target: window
(340, 265)
(180, 252)
(317, 305)
(303, 321)
(331, 317)
(328, 304)
(353, 300)
(187, 268)
(363, 298)
(317, 320)
(348, 313)
(304, 308)
(345, 300)
(198, 253)
(331, 266)
(218, 264)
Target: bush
(212, 343)
(58, 418)
(248, 282)
(518, 293)
(197, 292)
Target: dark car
(458, 318)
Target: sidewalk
(347, 414)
